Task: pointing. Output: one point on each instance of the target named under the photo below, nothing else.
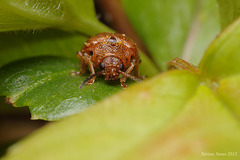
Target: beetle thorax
(111, 67)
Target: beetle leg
(82, 64)
(135, 71)
(128, 71)
(91, 68)
(178, 63)
(123, 84)
(83, 60)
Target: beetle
(111, 55)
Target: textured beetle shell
(110, 45)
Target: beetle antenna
(90, 77)
(129, 76)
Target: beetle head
(110, 67)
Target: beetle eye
(102, 66)
(91, 53)
(121, 66)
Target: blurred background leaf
(222, 58)
(229, 11)
(15, 46)
(220, 66)
(176, 28)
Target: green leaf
(48, 88)
(46, 42)
(203, 126)
(176, 28)
(10, 22)
(70, 15)
(228, 91)
(220, 66)
(170, 116)
(229, 11)
(222, 57)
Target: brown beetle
(111, 54)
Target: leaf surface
(70, 15)
(219, 67)
(52, 42)
(46, 85)
(222, 57)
